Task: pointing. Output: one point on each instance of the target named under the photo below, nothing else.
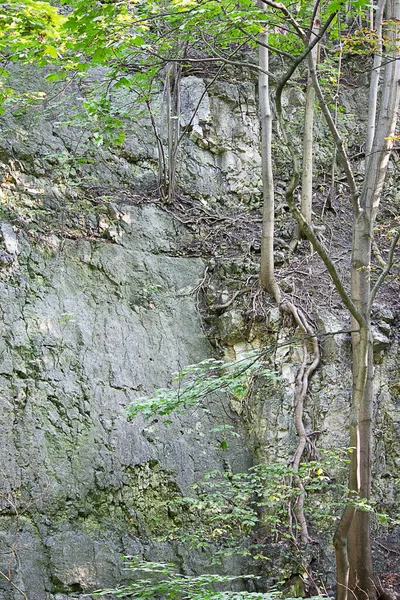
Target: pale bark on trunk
(308, 137)
(374, 83)
(355, 576)
(361, 577)
(172, 101)
(267, 272)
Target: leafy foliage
(237, 513)
(196, 382)
(163, 581)
(29, 30)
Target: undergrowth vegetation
(245, 514)
(162, 580)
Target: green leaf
(53, 77)
(51, 51)
(123, 82)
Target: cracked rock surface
(86, 328)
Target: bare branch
(386, 270)
(215, 59)
(300, 59)
(342, 155)
(257, 40)
(295, 24)
(323, 254)
(307, 230)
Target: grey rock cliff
(97, 308)
(86, 328)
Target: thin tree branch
(323, 254)
(342, 155)
(386, 270)
(300, 59)
(308, 231)
(314, 14)
(207, 87)
(378, 254)
(257, 41)
(215, 59)
(296, 25)
(14, 585)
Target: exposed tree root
(304, 374)
(218, 308)
(302, 382)
(308, 363)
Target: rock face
(89, 324)
(86, 328)
(97, 309)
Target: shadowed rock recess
(99, 306)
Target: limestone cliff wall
(98, 307)
(81, 337)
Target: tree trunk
(355, 577)
(267, 273)
(374, 84)
(308, 138)
(361, 576)
(172, 106)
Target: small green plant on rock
(241, 512)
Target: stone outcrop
(98, 307)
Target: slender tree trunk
(267, 273)
(332, 193)
(374, 84)
(172, 106)
(361, 576)
(308, 137)
(355, 576)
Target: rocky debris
(6, 259)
